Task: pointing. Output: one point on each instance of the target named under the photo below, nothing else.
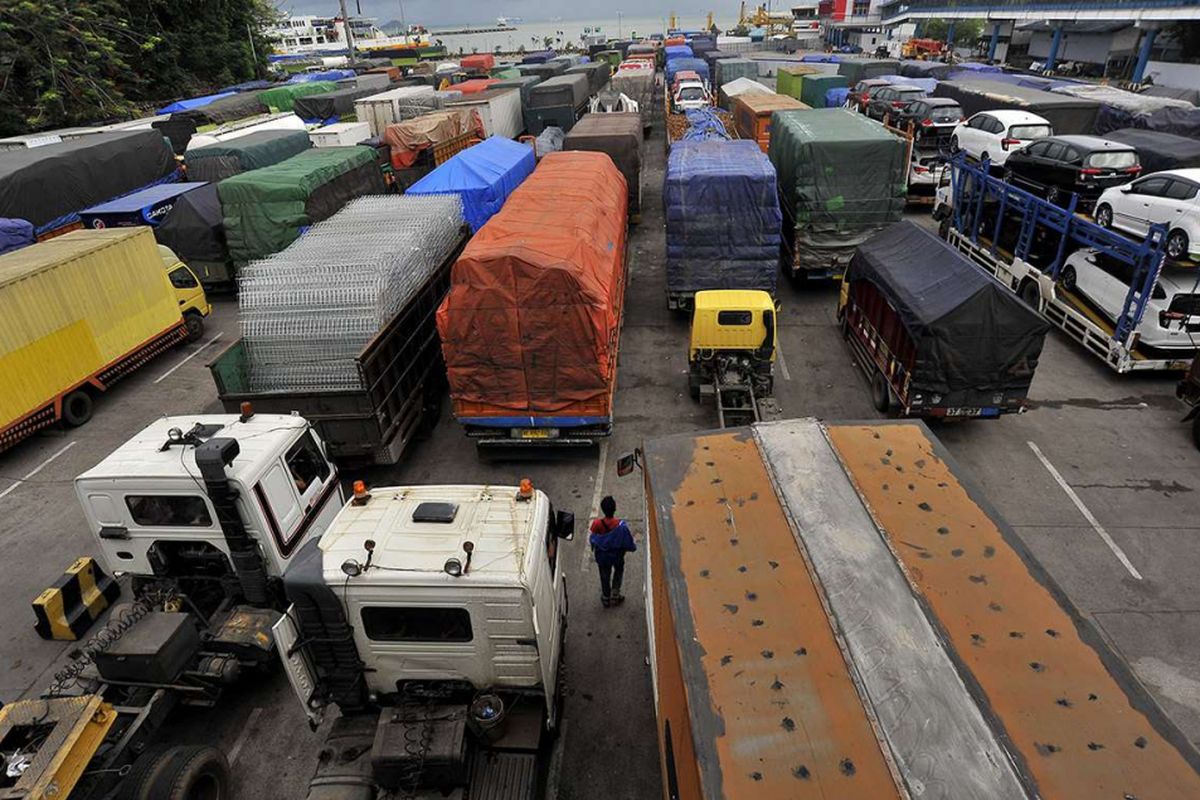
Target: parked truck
(935, 335)
(82, 311)
(840, 596)
(433, 619)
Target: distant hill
(393, 27)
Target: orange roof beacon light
(247, 409)
(361, 495)
(525, 491)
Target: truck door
(292, 491)
(549, 607)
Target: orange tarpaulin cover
(478, 61)
(407, 139)
(474, 85)
(530, 325)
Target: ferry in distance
(509, 22)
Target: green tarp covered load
(265, 209)
(283, 98)
(814, 87)
(841, 178)
(216, 162)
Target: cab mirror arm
(627, 462)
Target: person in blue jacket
(610, 540)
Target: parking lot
(1098, 480)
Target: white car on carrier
(992, 135)
(1170, 198)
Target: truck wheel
(1031, 295)
(77, 408)
(195, 326)
(881, 393)
(195, 773)
(140, 783)
(944, 227)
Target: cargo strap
(70, 606)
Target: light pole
(619, 34)
(403, 23)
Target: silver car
(1172, 319)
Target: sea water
(553, 34)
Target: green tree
(966, 31)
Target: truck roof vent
(435, 512)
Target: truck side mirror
(627, 462)
(564, 525)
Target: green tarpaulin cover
(841, 177)
(814, 87)
(216, 162)
(283, 98)
(265, 209)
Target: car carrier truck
(834, 611)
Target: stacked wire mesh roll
(307, 312)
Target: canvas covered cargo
(860, 69)
(481, 62)
(475, 85)
(233, 130)
(149, 206)
(524, 84)
(723, 220)
(562, 90)
(678, 65)
(393, 105)
(282, 98)
(72, 307)
(15, 234)
(329, 107)
(1158, 151)
(815, 87)
(194, 102)
(376, 81)
(215, 162)
(828, 209)
(620, 136)
(264, 209)
(638, 85)
(195, 231)
(597, 73)
(483, 176)
(1066, 114)
(915, 68)
(497, 112)
(540, 57)
(970, 336)
(540, 70)
(752, 114)
(236, 106)
(789, 78)
(740, 86)
(409, 138)
(730, 69)
(531, 326)
(48, 185)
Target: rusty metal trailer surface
(835, 612)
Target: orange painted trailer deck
(836, 613)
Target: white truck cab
(206, 495)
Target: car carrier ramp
(837, 614)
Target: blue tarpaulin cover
(678, 65)
(928, 84)
(677, 51)
(195, 102)
(819, 58)
(248, 86)
(703, 125)
(975, 66)
(723, 219)
(15, 233)
(483, 176)
(538, 58)
(327, 75)
(836, 97)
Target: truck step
(503, 776)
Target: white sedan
(1171, 197)
(992, 135)
(1172, 318)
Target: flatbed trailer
(835, 612)
(985, 212)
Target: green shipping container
(842, 177)
(812, 91)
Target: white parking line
(597, 494)
(783, 370)
(1087, 514)
(187, 358)
(37, 469)
(236, 750)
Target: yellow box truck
(81, 311)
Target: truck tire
(195, 326)
(881, 393)
(197, 772)
(77, 408)
(143, 777)
(1031, 294)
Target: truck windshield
(416, 624)
(691, 93)
(306, 463)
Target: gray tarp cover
(1158, 151)
(842, 177)
(525, 83)
(620, 136)
(194, 229)
(723, 218)
(1191, 95)
(543, 71)
(43, 184)
(970, 331)
(215, 162)
(562, 90)
(859, 69)
(330, 104)
(1066, 114)
(597, 73)
(227, 109)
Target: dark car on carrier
(933, 120)
(890, 100)
(1057, 166)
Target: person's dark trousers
(611, 578)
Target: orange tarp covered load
(530, 326)
(480, 61)
(474, 86)
(407, 139)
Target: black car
(1059, 165)
(891, 99)
(933, 119)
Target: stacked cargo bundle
(216, 162)
(543, 71)
(530, 328)
(620, 136)
(307, 312)
(723, 219)
(483, 176)
(265, 209)
(730, 69)
(830, 209)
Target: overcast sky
(438, 12)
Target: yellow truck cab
(733, 319)
(193, 302)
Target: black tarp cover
(45, 184)
(560, 91)
(1157, 150)
(1190, 95)
(227, 109)
(331, 105)
(1065, 113)
(969, 330)
(194, 229)
(216, 162)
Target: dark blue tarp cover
(15, 233)
(677, 51)
(836, 97)
(538, 58)
(327, 75)
(928, 84)
(723, 219)
(483, 176)
(819, 58)
(248, 86)
(195, 102)
(975, 66)
(681, 64)
(703, 125)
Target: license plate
(536, 433)
(964, 412)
